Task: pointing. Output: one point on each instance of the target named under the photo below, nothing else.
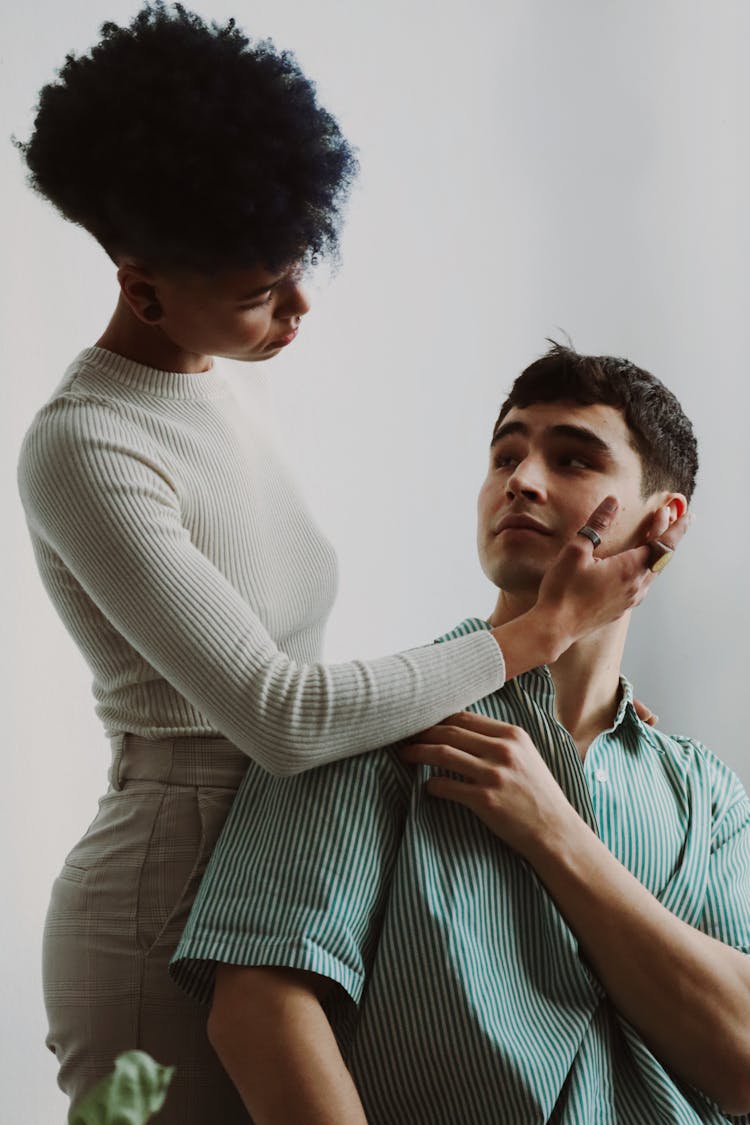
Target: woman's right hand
(582, 592)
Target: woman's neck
(128, 336)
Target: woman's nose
(294, 301)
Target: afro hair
(191, 148)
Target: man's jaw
(517, 581)
(511, 604)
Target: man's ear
(667, 509)
(677, 505)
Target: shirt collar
(626, 712)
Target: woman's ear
(138, 289)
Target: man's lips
(521, 523)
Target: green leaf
(133, 1093)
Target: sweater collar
(152, 380)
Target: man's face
(551, 464)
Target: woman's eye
(505, 461)
(257, 304)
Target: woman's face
(243, 314)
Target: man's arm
(687, 993)
(269, 1029)
(303, 911)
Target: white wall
(527, 168)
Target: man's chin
(523, 581)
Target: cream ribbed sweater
(190, 574)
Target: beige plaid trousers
(117, 910)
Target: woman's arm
(109, 511)
(100, 498)
(278, 1048)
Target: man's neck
(586, 676)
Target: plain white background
(528, 168)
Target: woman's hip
(134, 873)
(116, 913)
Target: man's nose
(527, 480)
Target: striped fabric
(463, 997)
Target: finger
(444, 757)
(457, 719)
(660, 522)
(602, 516)
(631, 563)
(481, 724)
(487, 747)
(644, 713)
(448, 789)
(662, 537)
(671, 536)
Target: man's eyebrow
(583, 434)
(577, 433)
(509, 428)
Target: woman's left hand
(503, 779)
(645, 714)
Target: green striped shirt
(464, 997)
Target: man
(536, 912)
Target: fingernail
(609, 504)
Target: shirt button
(601, 775)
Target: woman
(170, 539)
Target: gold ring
(661, 556)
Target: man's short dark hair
(183, 144)
(660, 432)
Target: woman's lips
(284, 340)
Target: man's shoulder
(464, 628)
(703, 768)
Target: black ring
(589, 533)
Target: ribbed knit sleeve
(105, 503)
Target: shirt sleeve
(107, 507)
(301, 875)
(726, 912)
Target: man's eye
(505, 461)
(572, 462)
